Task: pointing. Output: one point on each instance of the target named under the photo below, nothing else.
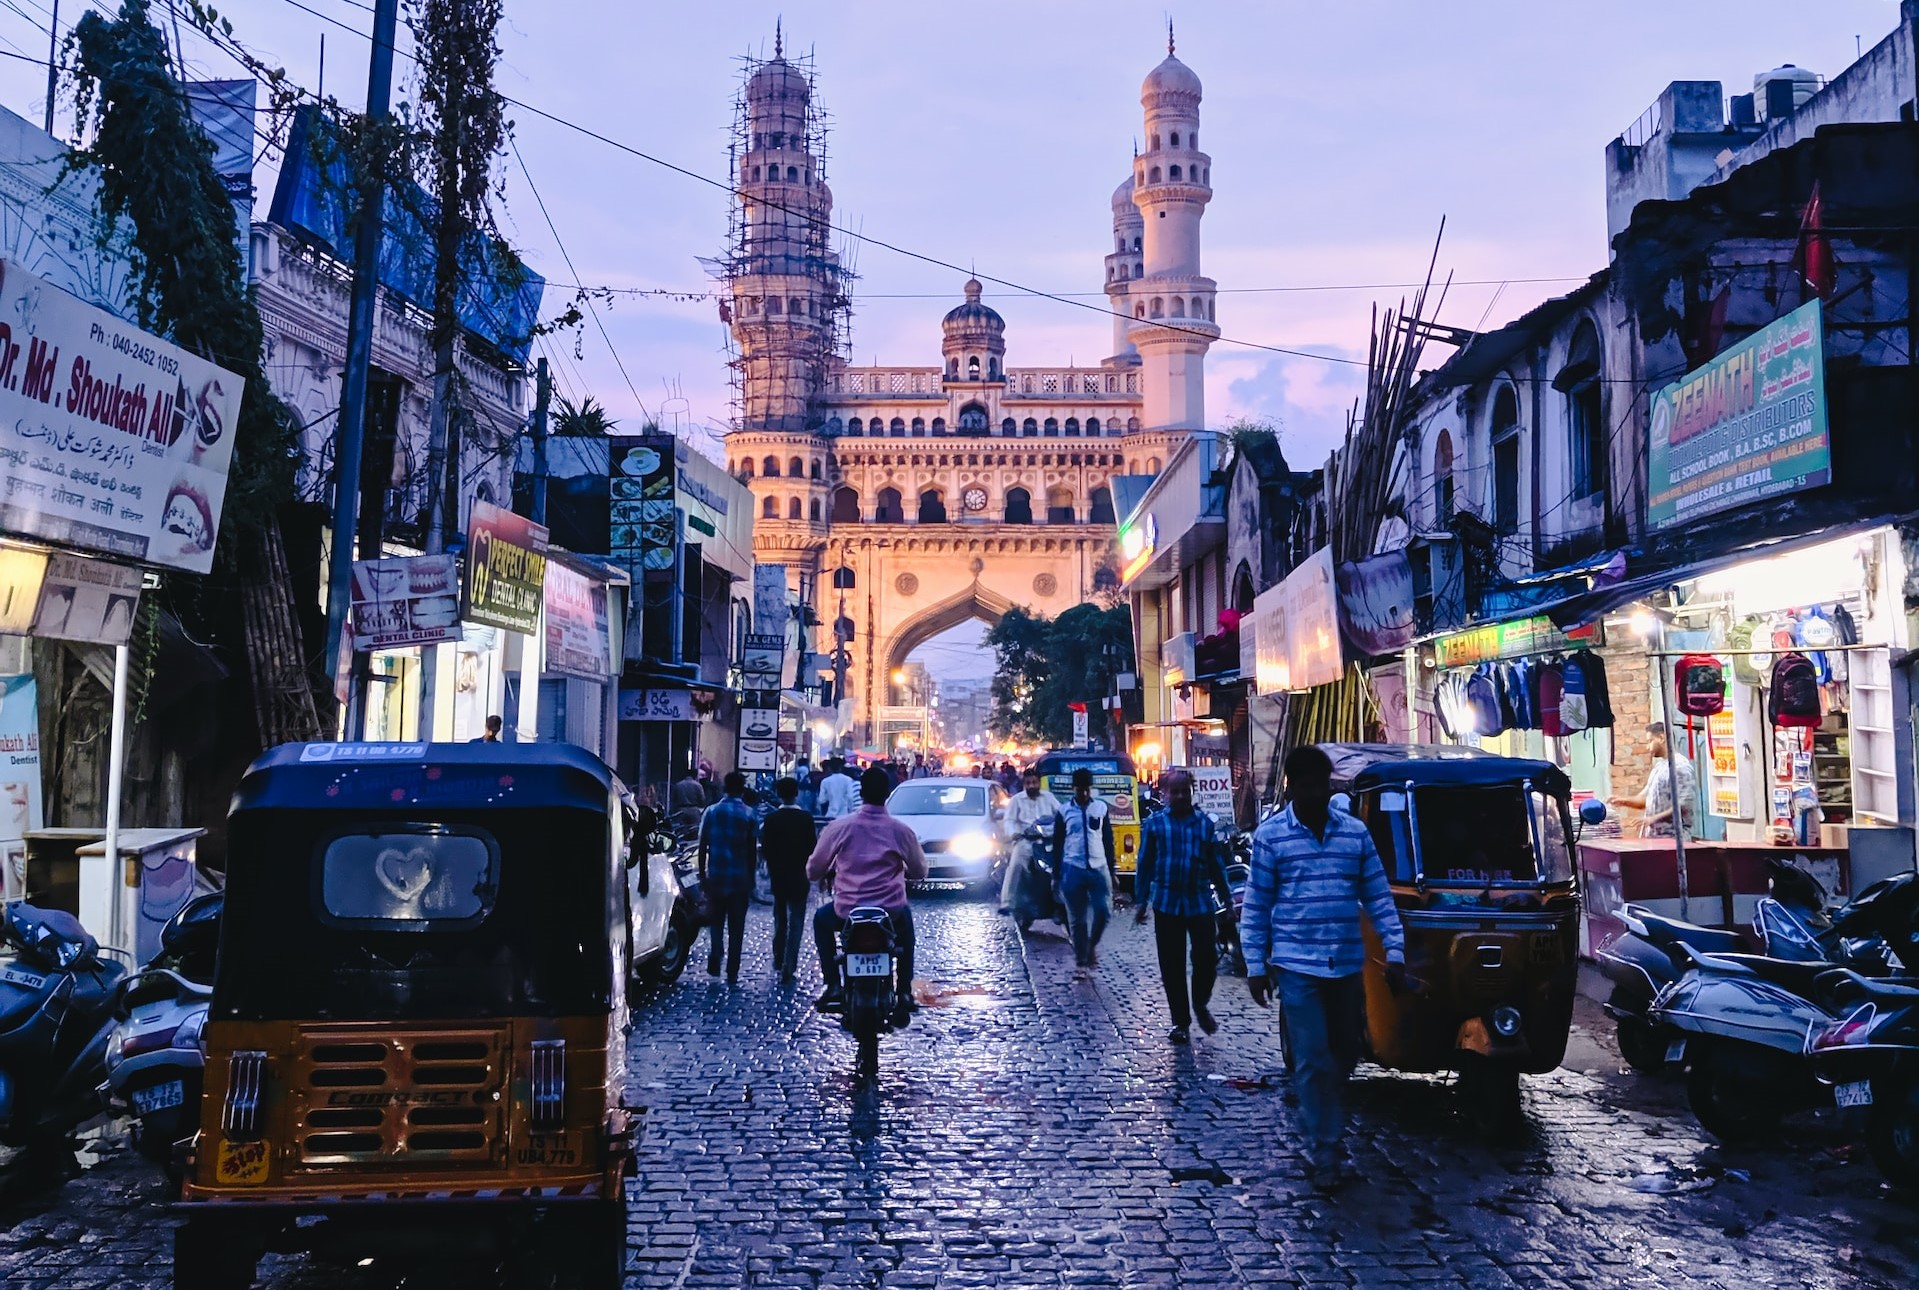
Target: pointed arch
(975, 602)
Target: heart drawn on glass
(404, 873)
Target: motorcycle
(1791, 923)
(1870, 1059)
(56, 1014)
(1239, 871)
(869, 966)
(1035, 895)
(1741, 1021)
(155, 1059)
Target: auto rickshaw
(1479, 853)
(1115, 782)
(416, 1042)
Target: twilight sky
(992, 133)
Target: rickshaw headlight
(1505, 1021)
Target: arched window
(952, 369)
(769, 508)
(1139, 310)
(1009, 427)
(1206, 175)
(1092, 426)
(889, 510)
(1152, 176)
(1173, 172)
(939, 425)
(792, 174)
(1102, 508)
(796, 306)
(1059, 506)
(1136, 247)
(1105, 578)
(1019, 506)
(1585, 419)
(770, 468)
(1175, 139)
(972, 367)
(1153, 146)
(1159, 308)
(919, 427)
(1052, 428)
(1192, 139)
(793, 511)
(992, 368)
(746, 468)
(1505, 438)
(897, 429)
(846, 505)
(1139, 266)
(813, 471)
(1029, 427)
(932, 508)
(1152, 465)
(756, 174)
(772, 304)
(972, 419)
(796, 468)
(1443, 477)
(1179, 307)
(835, 427)
(1243, 593)
(1072, 425)
(1132, 425)
(855, 426)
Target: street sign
(1080, 731)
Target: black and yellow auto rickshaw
(416, 1041)
(1115, 782)
(1479, 853)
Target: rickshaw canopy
(1361, 767)
(397, 775)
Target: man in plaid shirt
(1179, 873)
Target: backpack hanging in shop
(1699, 682)
(1584, 701)
(1794, 700)
(1482, 696)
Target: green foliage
(1045, 664)
(157, 181)
(586, 418)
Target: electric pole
(359, 361)
(542, 396)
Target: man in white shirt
(1033, 808)
(837, 791)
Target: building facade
(905, 500)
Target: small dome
(1123, 197)
(973, 314)
(778, 79)
(1170, 77)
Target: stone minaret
(1124, 264)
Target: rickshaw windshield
(1482, 835)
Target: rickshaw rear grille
(361, 1099)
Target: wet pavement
(1032, 1129)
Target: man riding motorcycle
(871, 857)
(1032, 809)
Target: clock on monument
(974, 499)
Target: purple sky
(992, 134)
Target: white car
(957, 821)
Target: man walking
(728, 862)
(688, 800)
(1083, 841)
(1033, 809)
(871, 856)
(836, 791)
(1179, 873)
(1312, 869)
(786, 840)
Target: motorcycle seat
(1843, 985)
(93, 990)
(1671, 931)
(1786, 973)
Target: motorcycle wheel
(1490, 1090)
(665, 967)
(155, 1136)
(1895, 1132)
(1641, 1044)
(1731, 1108)
(866, 1064)
(209, 1258)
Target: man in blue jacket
(1312, 869)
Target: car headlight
(972, 846)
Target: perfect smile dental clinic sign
(505, 569)
(1749, 425)
(111, 440)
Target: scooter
(56, 1014)
(1870, 1058)
(869, 967)
(1239, 871)
(1791, 923)
(1741, 1021)
(1035, 894)
(155, 1059)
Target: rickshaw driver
(1312, 869)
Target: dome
(973, 314)
(1170, 77)
(1123, 197)
(778, 79)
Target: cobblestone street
(1034, 1130)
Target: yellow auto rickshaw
(1479, 852)
(416, 1040)
(1114, 782)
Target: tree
(587, 419)
(1047, 664)
(1018, 641)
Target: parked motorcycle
(56, 1014)
(1791, 923)
(1870, 1059)
(1239, 871)
(155, 1058)
(869, 967)
(1035, 895)
(1742, 1020)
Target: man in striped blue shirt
(1313, 868)
(1179, 874)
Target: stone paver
(1034, 1130)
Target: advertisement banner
(1213, 792)
(1515, 638)
(113, 440)
(763, 662)
(576, 643)
(1376, 603)
(1299, 628)
(1748, 425)
(759, 747)
(644, 527)
(656, 705)
(19, 778)
(87, 600)
(769, 599)
(505, 569)
(406, 600)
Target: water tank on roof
(1783, 90)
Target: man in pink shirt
(870, 857)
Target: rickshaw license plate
(1857, 1093)
(158, 1098)
(241, 1163)
(869, 965)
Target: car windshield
(1474, 835)
(938, 799)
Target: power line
(701, 295)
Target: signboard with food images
(644, 527)
(113, 440)
(505, 569)
(406, 600)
